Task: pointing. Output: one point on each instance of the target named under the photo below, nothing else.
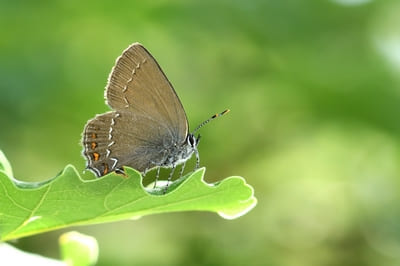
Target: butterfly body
(179, 153)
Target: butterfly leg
(120, 171)
(182, 169)
(157, 176)
(169, 178)
(197, 159)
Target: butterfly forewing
(138, 85)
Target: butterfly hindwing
(115, 139)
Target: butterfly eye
(191, 140)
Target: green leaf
(67, 200)
(5, 166)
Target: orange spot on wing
(105, 168)
(93, 136)
(94, 145)
(96, 156)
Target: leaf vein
(12, 200)
(32, 212)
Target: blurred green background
(314, 92)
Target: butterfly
(147, 127)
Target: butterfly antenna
(208, 120)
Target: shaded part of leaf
(160, 189)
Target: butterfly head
(192, 141)
(190, 145)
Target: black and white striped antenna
(210, 119)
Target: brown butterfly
(147, 128)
